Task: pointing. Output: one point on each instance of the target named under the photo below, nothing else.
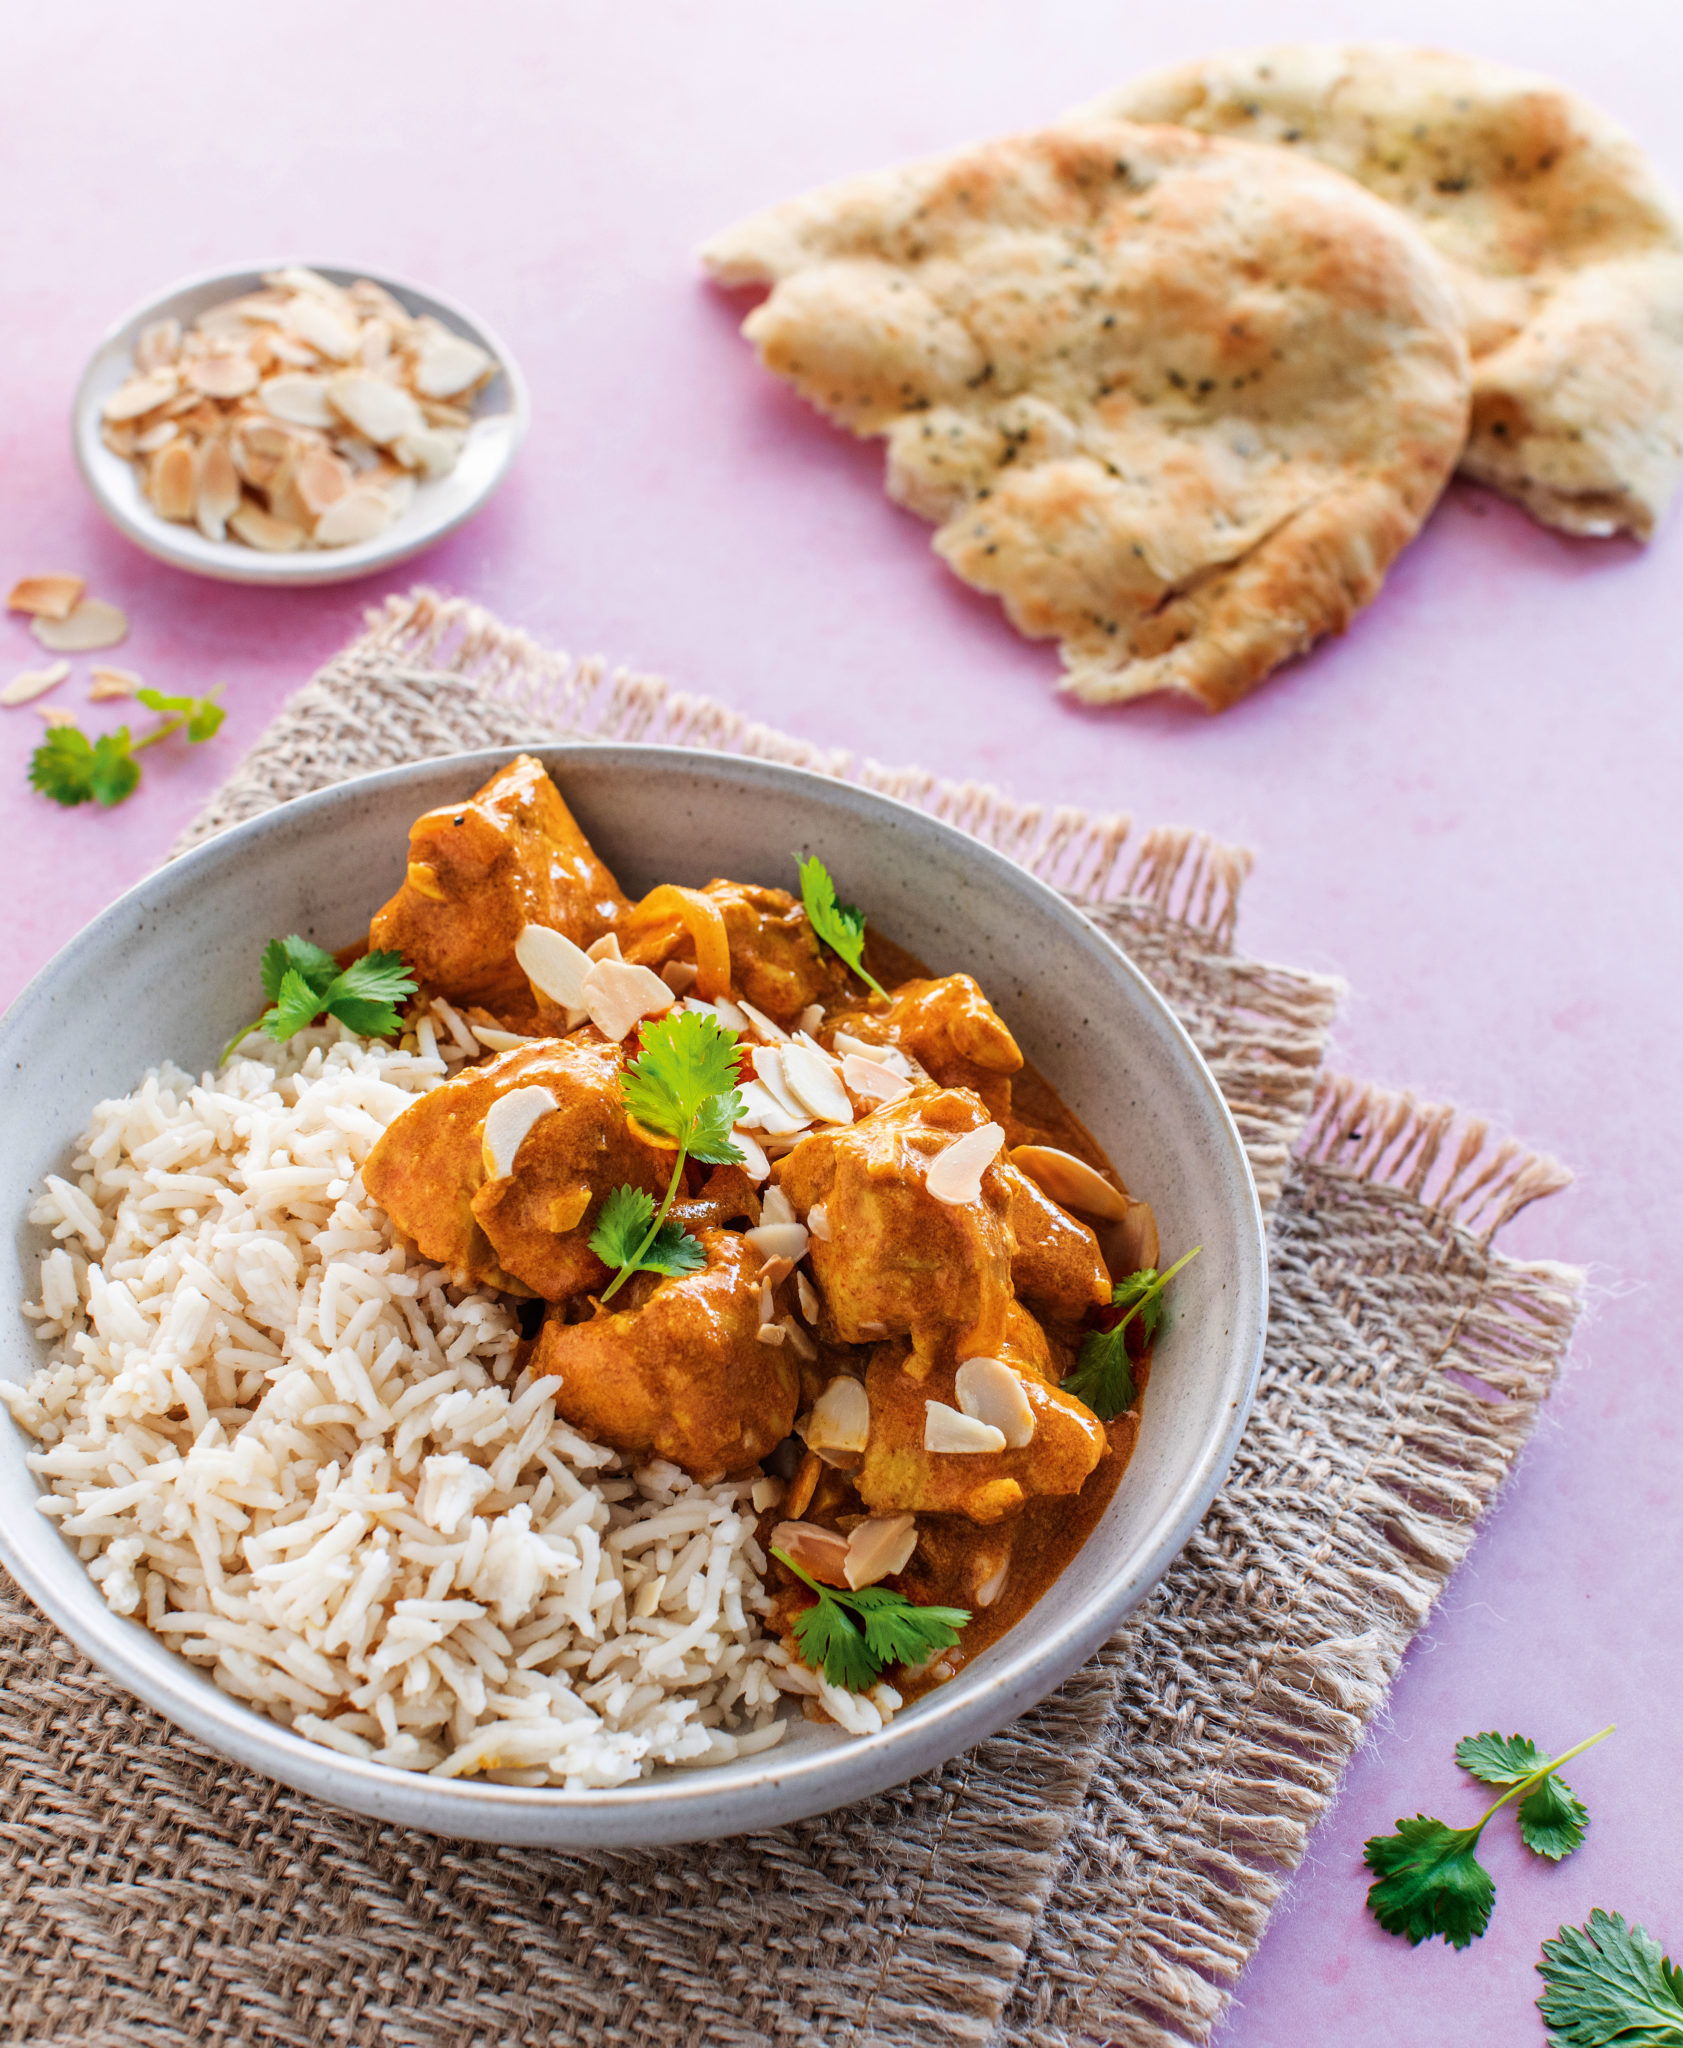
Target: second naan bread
(1178, 402)
(1566, 250)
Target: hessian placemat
(1099, 1870)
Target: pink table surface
(1469, 806)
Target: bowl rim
(669, 1808)
(167, 542)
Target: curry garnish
(1104, 1375)
(1610, 1981)
(303, 982)
(72, 769)
(839, 925)
(894, 1631)
(681, 1087)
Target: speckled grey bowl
(167, 972)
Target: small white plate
(501, 412)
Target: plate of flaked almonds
(290, 424)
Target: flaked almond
(762, 1112)
(156, 437)
(799, 1342)
(812, 1017)
(140, 395)
(820, 1553)
(260, 529)
(90, 623)
(299, 399)
(378, 410)
(30, 683)
(222, 376)
(447, 365)
(106, 685)
(434, 451)
(879, 1547)
(158, 346)
(374, 343)
(507, 1125)
(956, 1176)
(295, 277)
(776, 1207)
(818, 1220)
(216, 488)
(55, 714)
(618, 996)
(768, 1071)
(1071, 1182)
(258, 448)
(605, 948)
(772, 1334)
(773, 1274)
(320, 323)
(840, 1418)
(495, 1039)
(773, 1034)
(987, 1390)
(554, 966)
(170, 480)
(47, 597)
(679, 976)
(778, 1240)
(806, 1297)
(875, 1083)
(123, 440)
(357, 516)
(950, 1431)
(754, 1161)
(993, 1585)
(438, 414)
(815, 1084)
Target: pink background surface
(1469, 806)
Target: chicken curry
(869, 1261)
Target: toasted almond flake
(761, 1024)
(55, 714)
(820, 1553)
(294, 277)
(222, 376)
(956, 1176)
(1071, 1182)
(806, 1297)
(447, 365)
(376, 409)
(495, 1040)
(31, 683)
(618, 995)
(374, 343)
(260, 529)
(47, 597)
(554, 966)
(875, 1083)
(358, 516)
(434, 451)
(216, 489)
(768, 1308)
(298, 398)
(766, 1492)
(106, 685)
(754, 1161)
(872, 1332)
(122, 440)
(679, 976)
(605, 948)
(91, 623)
(818, 1221)
(140, 395)
(989, 1391)
(992, 1586)
(507, 1124)
(812, 1017)
(879, 1547)
(772, 1275)
(322, 325)
(156, 437)
(169, 481)
(768, 1070)
(778, 1240)
(158, 346)
(811, 1078)
(762, 1112)
(776, 1207)
(848, 1047)
(773, 1334)
(840, 1418)
(948, 1430)
(799, 1342)
(438, 414)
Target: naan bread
(1178, 402)
(1566, 250)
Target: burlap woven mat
(1101, 1869)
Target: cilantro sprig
(682, 1087)
(302, 981)
(894, 1631)
(72, 769)
(1427, 1876)
(1607, 1982)
(1104, 1373)
(839, 925)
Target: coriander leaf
(364, 998)
(896, 1632)
(1143, 1292)
(113, 772)
(202, 716)
(711, 1140)
(1551, 1820)
(318, 968)
(1500, 1759)
(59, 766)
(1104, 1376)
(1429, 1881)
(687, 1060)
(829, 1642)
(673, 1251)
(296, 1006)
(622, 1226)
(839, 925)
(1607, 1983)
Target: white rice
(305, 1459)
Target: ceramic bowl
(168, 972)
(501, 412)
